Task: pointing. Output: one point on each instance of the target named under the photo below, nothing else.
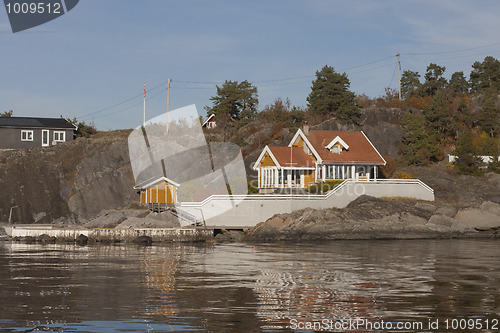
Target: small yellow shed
(158, 192)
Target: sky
(92, 62)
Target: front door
(45, 138)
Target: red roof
(297, 157)
(360, 148)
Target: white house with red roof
(313, 156)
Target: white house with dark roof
(27, 132)
(210, 122)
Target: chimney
(305, 128)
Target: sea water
(408, 286)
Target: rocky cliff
(68, 183)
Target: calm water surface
(246, 288)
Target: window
(336, 149)
(26, 135)
(59, 136)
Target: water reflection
(242, 287)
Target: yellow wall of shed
(161, 193)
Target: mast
(168, 98)
(399, 71)
(144, 111)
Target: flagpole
(168, 99)
(144, 112)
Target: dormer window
(336, 145)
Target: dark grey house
(26, 132)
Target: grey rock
(459, 227)
(490, 207)
(442, 220)
(476, 218)
(449, 211)
(426, 206)
(111, 218)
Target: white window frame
(58, 134)
(46, 144)
(29, 135)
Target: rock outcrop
(372, 218)
(67, 183)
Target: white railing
(403, 181)
(330, 193)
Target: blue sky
(102, 52)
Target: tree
(330, 95)
(84, 130)
(462, 117)
(410, 83)
(7, 113)
(419, 146)
(235, 100)
(283, 111)
(438, 117)
(434, 80)
(485, 75)
(488, 118)
(467, 162)
(458, 83)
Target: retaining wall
(246, 211)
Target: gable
(266, 152)
(309, 149)
(337, 142)
(162, 181)
(267, 161)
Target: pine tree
(458, 83)
(330, 95)
(467, 162)
(485, 75)
(438, 117)
(410, 84)
(434, 80)
(235, 100)
(488, 118)
(419, 145)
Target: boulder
(447, 211)
(442, 220)
(476, 218)
(490, 207)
